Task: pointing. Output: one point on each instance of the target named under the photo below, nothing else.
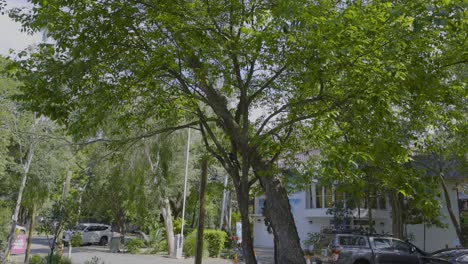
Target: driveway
(82, 254)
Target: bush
(5, 223)
(188, 230)
(56, 259)
(177, 225)
(36, 259)
(134, 245)
(157, 240)
(213, 243)
(190, 245)
(65, 260)
(76, 240)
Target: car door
(384, 253)
(87, 233)
(407, 254)
(94, 235)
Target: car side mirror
(413, 249)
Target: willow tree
(251, 75)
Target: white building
(310, 208)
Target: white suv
(91, 233)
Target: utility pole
(180, 240)
(201, 211)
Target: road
(82, 254)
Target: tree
(443, 157)
(252, 75)
(163, 169)
(33, 145)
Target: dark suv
(360, 248)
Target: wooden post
(30, 235)
(201, 211)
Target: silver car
(91, 233)
(342, 248)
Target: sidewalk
(82, 254)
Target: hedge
(213, 243)
(215, 239)
(133, 245)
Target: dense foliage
(260, 79)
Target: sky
(10, 35)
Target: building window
(325, 197)
(319, 197)
(328, 197)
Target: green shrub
(157, 241)
(56, 259)
(76, 240)
(190, 245)
(65, 260)
(188, 230)
(215, 241)
(5, 223)
(177, 225)
(36, 259)
(134, 245)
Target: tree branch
(224, 155)
(286, 106)
(267, 83)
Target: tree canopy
(253, 76)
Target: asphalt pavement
(79, 255)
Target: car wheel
(103, 241)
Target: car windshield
(79, 227)
(325, 240)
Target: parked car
(91, 233)
(447, 256)
(359, 248)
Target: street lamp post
(180, 241)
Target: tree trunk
(65, 191)
(267, 215)
(194, 216)
(247, 242)
(14, 221)
(369, 213)
(201, 212)
(397, 215)
(453, 218)
(288, 249)
(30, 235)
(167, 215)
